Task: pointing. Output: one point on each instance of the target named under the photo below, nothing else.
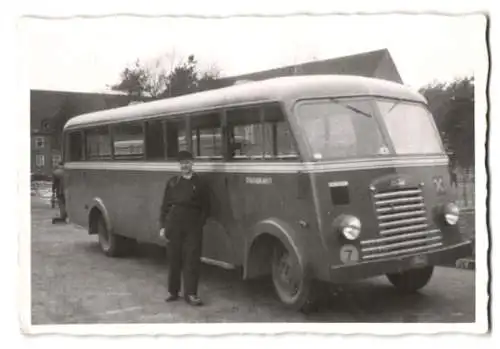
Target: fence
(464, 189)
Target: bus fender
(258, 253)
(98, 204)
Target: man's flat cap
(184, 155)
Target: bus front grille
(403, 225)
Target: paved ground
(72, 282)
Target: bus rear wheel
(113, 245)
(411, 281)
(291, 283)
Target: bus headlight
(451, 213)
(349, 226)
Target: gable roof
(46, 105)
(376, 64)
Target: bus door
(256, 135)
(206, 137)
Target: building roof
(375, 64)
(286, 89)
(45, 105)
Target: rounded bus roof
(282, 89)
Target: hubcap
(287, 275)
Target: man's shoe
(194, 300)
(172, 298)
(58, 220)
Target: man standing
(58, 192)
(184, 211)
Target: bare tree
(167, 76)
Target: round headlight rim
(348, 221)
(451, 210)
(350, 237)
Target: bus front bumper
(366, 269)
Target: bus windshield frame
(363, 127)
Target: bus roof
(285, 89)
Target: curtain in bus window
(182, 140)
(128, 141)
(268, 140)
(98, 144)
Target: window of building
(39, 142)
(75, 147)
(155, 140)
(206, 134)
(40, 160)
(46, 125)
(128, 141)
(98, 144)
(56, 158)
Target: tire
(113, 245)
(291, 283)
(411, 281)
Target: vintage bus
(314, 180)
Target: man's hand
(162, 234)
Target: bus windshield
(341, 129)
(347, 128)
(410, 126)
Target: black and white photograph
(291, 171)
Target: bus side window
(98, 143)
(206, 133)
(75, 147)
(279, 135)
(245, 134)
(128, 141)
(155, 142)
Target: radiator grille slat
(403, 225)
(399, 237)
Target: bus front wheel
(112, 245)
(411, 281)
(291, 284)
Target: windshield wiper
(354, 109)
(393, 106)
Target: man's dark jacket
(197, 197)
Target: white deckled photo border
(482, 245)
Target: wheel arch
(97, 207)
(265, 234)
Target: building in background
(49, 111)
(374, 64)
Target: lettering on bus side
(259, 180)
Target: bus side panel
(257, 197)
(135, 203)
(78, 193)
(217, 234)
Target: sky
(89, 54)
